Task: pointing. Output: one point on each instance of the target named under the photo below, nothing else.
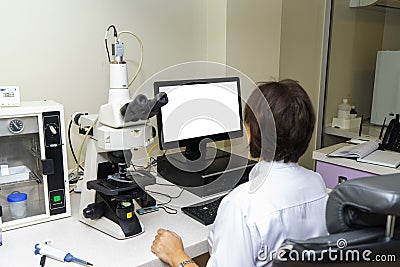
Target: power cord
(148, 162)
(164, 205)
(70, 145)
(81, 147)
(168, 209)
(141, 53)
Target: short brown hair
(293, 115)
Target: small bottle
(344, 110)
(353, 112)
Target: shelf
(368, 131)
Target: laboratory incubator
(33, 164)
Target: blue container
(17, 197)
(17, 201)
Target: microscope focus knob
(93, 211)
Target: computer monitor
(199, 110)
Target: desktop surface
(102, 250)
(90, 244)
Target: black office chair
(361, 221)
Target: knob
(93, 211)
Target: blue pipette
(45, 249)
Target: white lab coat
(281, 200)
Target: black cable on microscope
(105, 40)
(70, 145)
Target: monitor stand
(207, 176)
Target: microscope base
(109, 227)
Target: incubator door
(21, 175)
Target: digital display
(8, 94)
(202, 109)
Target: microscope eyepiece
(142, 108)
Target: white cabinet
(331, 168)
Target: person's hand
(168, 247)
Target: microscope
(109, 188)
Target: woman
(282, 199)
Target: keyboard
(204, 212)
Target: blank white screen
(198, 110)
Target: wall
(246, 35)
(216, 30)
(253, 37)
(55, 49)
(391, 38)
(301, 51)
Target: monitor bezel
(196, 140)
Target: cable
(166, 195)
(161, 194)
(152, 148)
(166, 209)
(81, 146)
(116, 37)
(70, 145)
(148, 155)
(106, 40)
(153, 162)
(42, 260)
(164, 205)
(141, 53)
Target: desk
(331, 167)
(98, 248)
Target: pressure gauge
(15, 126)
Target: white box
(346, 123)
(15, 174)
(9, 96)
